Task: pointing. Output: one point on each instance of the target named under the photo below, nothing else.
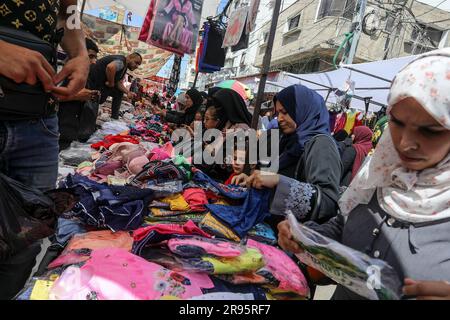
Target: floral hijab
(408, 195)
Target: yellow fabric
(222, 202)
(177, 203)
(351, 118)
(250, 261)
(41, 290)
(215, 226)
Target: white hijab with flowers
(412, 196)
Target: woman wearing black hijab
(227, 111)
(194, 101)
(231, 110)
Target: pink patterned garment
(115, 274)
(282, 268)
(189, 247)
(405, 194)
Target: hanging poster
(175, 25)
(252, 14)
(236, 27)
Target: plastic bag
(26, 216)
(114, 128)
(76, 154)
(371, 278)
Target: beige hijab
(407, 195)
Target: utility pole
(357, 28)
(266, 64)
(83, 5)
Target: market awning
(139, 7)
(372, 80)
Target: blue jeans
(29, 151)
(29, 154)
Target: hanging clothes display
(211, 55)
(243, 41)
(350, 124)
(236, 27)
(175, 25)
(252, 15)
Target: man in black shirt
(29, 143)
(107, 76)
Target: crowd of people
(389, 200)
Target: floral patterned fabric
(115, 274)
(407, 195)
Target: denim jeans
(29, 154)
(29, 151)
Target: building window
(427, 34)
(337, 8)
(293, 22)
(266, 37)
(242, 63)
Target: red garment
(228, 182)
(363, 145)
(188, 229)
(108, 141)
(199, 53)
(196, 198)
(145, 30)
(340, 122)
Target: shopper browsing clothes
(396, 209)
(29, 127)
(107, 76)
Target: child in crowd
(238, 163)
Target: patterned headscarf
(413, 196)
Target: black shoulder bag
(21, 100)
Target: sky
(444, 6)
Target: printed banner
(175, 25)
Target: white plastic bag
(371, 278)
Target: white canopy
(138, 7)
(372, 80)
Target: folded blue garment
(230, 191)
(103, 206)
(243, 218)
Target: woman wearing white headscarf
(398, 207)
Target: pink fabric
(213, 247)
(92, 240)
(136, 165)
(188, 229)
(196, 198)
(159, 154)
(115, 274)
(283, 268)
(109, 167)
